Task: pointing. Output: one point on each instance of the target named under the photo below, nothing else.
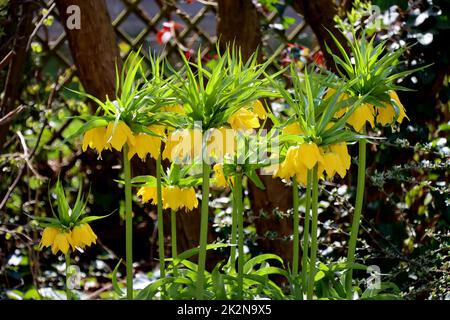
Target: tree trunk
(93, 46)
(319, 15)
(21, 15)
(238, 22)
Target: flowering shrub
(214, 117)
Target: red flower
(167, 32)
(188, 53)
(319, 58)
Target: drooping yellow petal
(244, 119)
(302, 175)
(292, 166)
(119, 135)
(82, 236)
(190, 198)
(310, 154)
(176, 198)
(147, 194)
(95, 139)
(48, 236)
(221, 142)
(90, 236)
(259, 109)
(293, 128)
(183, 145)
(332, 164)
(342, 151)
(342, 97)
(364, 113)
(171, 196)
(386, 115)
(145, 144)
(219, 179)
(62, 242)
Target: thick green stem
(162, 263)
(128, 223)
(306, 233)
(356, 216)
(314, 222)
(203, 231)
(295, 235)
(233, 234)
(240, 231)
(173, 236)
(68, 292)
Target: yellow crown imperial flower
(386, 115)
(176, 198)
(310, 154)
(244, 119)
(298, 160)
(173, 197)
(48, 236)
(293, 128)
(362, 114)
(183, 144)
(146, 144)
(342, 151)
(62, 242)
(95, 139)
(259, 109)
(147, 194)
(82, 236)
(221, 142)
(219, 179)
(119, 135)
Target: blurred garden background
(406, 214)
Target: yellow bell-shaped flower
(342, 151)
(244, 119)
(219, 179)
(62, 242)
(292, 129)
(183, 145)
(119, 135)
(259, 109)
(82, 236)
(386, 115)
(310, 154)
(147, 194)
(221, 142)
(95, 139)
(146, 144)
(362, 114)
(176, 198)
(48, 236)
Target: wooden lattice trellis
(54, 42)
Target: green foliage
(211, 96)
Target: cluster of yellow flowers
(371, 114)
(103, 138)
(80, 236)
(331, 159)
(173, 197)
